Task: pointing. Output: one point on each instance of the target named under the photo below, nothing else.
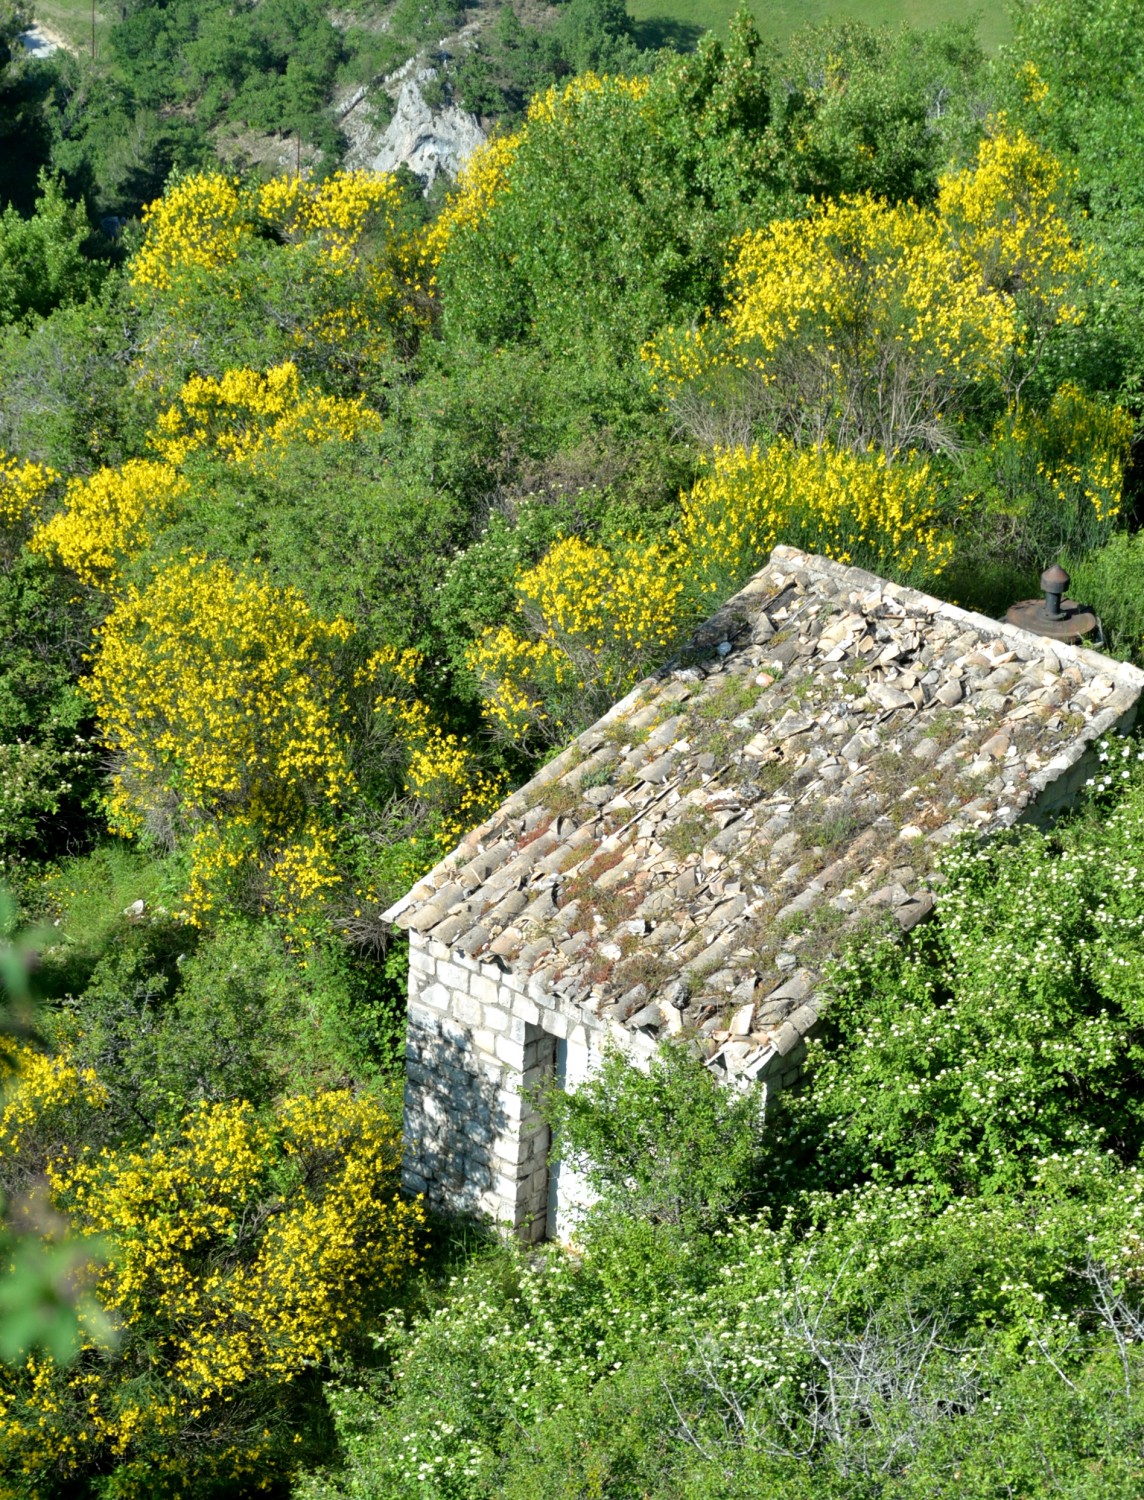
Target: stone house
(687, 864)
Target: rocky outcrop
(428, 141)
(41, 41)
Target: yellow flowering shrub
(876, 324)
(323, 268)
(245, 412)
(200, 221)
(855, 508)
(343, 239)
(108, 519)
(1034, 89)
(591, 622)
(205, 220)
(480, 182)
(244, 1251)
(859, 324)
(23, 491)
(339, 211)
(22, 488)
(602, 602)
(443, 771)
(519, 677)
(1084, 447)
(1058, 472)
(1004, 214)
(44, 1083)
(45, 1101)
(342, 1226)
(218, 696)
(562, 99)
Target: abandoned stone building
(686, 865)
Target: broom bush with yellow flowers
(590, 620)
(449, 785)
(872, 323)
(24, 490)
(854, 507)
(1050, 477)
(238, 724)
(239, 1253)
(323, 273)
(218, 698)
(107, 520)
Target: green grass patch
(72, 20)
(668, 23)
(84, 898)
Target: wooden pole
(93, 30)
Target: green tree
(622, 1127)
(14, 18)
(513, 62)
(25, 128)
(597, 36)
(46, 757)
(607, 222)
(42, 260)
(271, 66)
(1073, 76)
(69, 400)
(878, 111)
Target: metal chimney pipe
(1055, 582)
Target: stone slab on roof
(689, 862)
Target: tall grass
(1111, 581)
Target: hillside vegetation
(672, 21)
(179, 84)
(326, 513)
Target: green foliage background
(918, 1276)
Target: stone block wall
(905, 719)
(477, 1044)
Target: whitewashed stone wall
(477, 1043)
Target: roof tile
(791, 788)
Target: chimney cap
(1054, 580)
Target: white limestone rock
(425, 140)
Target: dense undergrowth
(324, 516)
(920, 1276)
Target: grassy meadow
(71, 19)
(668, 21)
